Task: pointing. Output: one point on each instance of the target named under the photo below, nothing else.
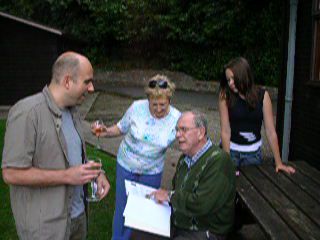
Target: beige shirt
(34, 138)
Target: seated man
(203, 193)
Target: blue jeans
(246, 158)
(119, 231)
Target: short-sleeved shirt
(34, 138)
(146, 138)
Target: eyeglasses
(184, 129)
(161, 84)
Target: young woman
(243, 106)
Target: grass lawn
(100, 214)
(7, 227)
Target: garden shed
(28, 50)
(304, 121)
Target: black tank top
(245, 122)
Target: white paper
(137, 189)
(146, 214)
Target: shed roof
(30, 23)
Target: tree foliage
(197, 37)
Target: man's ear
(202, 133)
(66, 81)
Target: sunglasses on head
(161, 84)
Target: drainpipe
(289, 80)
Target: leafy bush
(197, 37)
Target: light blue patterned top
(146, 138)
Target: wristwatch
(170, 193)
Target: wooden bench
(285, 206)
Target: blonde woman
(148, 127)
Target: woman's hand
(99, 131)
(285, 168)
(112, 131)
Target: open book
(146, 214)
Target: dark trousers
(79, 227)
(182, 234)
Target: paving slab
(4, 110)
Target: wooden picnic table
(285, 206)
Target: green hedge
(197, 37)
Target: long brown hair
(243, 80)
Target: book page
(137, 189)
(147, 215)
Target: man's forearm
(35, 177)
(76, 175)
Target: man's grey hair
(200, 120)
(65, 64)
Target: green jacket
(204, 194)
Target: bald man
(44, 154)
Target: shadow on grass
(101, 213)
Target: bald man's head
(67, 63)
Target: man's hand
(82, 174)
(160, 195)
(103, 186)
